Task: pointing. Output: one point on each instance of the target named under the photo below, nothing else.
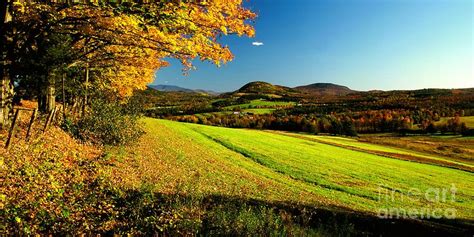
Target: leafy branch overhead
(125, 42)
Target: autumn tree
(122, 43)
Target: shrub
(348, 128)
(457, 150)
(69, 126)
(109, 123)
(468, 132)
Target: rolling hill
(316, 89)
(312, 90)
(260, 87)
(277, 91)
(324, 89)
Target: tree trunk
(5, 16)
(6, 100)
(86, 89)
(6, 88)
(47, 95)
(50, 97)
(41, 94)
(64, 94)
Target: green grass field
(262, 103)
(259, 111)
(203, 160)
(253, 111)
(468, 120)
(394, 152)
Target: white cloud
(256, 43)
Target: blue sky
(362, 44)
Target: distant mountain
(171, 88)
(264, 90)
(324, 89)
(260, 87)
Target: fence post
(32, 120)
(53, 116)
(64, 97)
(57, 110)
(10, 133)
(48, 120)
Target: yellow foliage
(128, 47)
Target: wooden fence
(33, 117)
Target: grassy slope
(456, 148)
(49, 184)
(254, 111)
(190, 158)
(262, 103)
(469, 120)
(351, 143)
(174, 158)
(259, 111)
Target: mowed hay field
(268, 167)
(262, 103)
(468, 120)
(458, 162)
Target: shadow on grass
(150, 213)
(91, 204)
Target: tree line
(337, 124)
